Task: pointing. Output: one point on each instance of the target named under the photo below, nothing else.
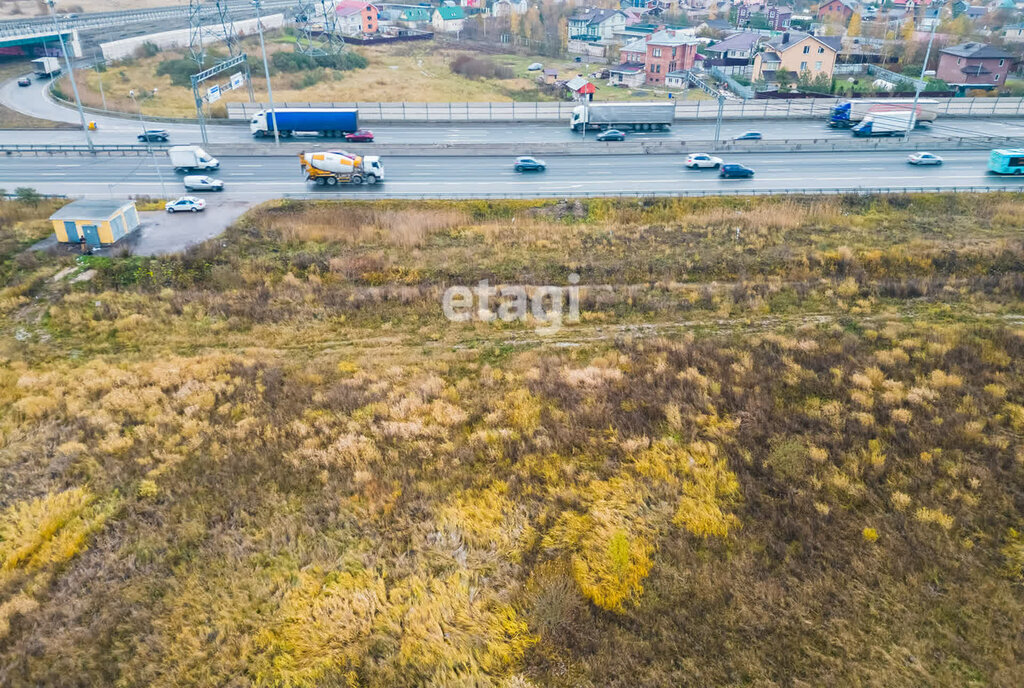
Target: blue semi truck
(325, 122)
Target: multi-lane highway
(118, 130)
(267, 176)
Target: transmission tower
(195, 31)
(317, 33)
(228, 27)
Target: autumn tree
(854, 28)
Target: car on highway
(731, 170)
(528, 164)
(922, 158)
(199, 182)
(612, 135)
(189, 204)
(24, 81)
(154, 135)
(360, 135)
(749, 136)
(698, 160)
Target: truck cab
(258, 124)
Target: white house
(503, 8)
(448, 19)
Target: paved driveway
(164, 233)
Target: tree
(907, 31)
(854, 28)
(26, 194)
(563, 33)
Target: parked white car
(698, 160)
(185, 204)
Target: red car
(364, 135)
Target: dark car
(24, 81)
(154, 135)
(526, 164)
(749, 136)
(733, 170)
(364, 135)
(612, 135)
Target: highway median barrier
(577, 148)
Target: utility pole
(71, 75)
(149, 145)
(266, 71)
(912, 120)
(99, 75)
(718, 120)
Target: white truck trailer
(46, 67)
(636, 116)
(885, 124)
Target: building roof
(678, 74)
(415, 14)
(550, 72)
(596, 16)
(975, 12)
(631, 67)
(670, 37)
(975, 50)
(577, 83)
(99, 211)
(347, 7)
(717, 24)
(788, 39)
(744, 40)
(449, 13)
(637, 46)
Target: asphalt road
(262, 177)
(114, 130)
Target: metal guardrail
(338, 193)
(98, 20)
(41, 149)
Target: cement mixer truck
(329, 168)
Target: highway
(116, 130)
(274, 176)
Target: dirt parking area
(165, 233)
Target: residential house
(1014, 33)
(595, 25)
(973, 65)
(504, 8)
(354, 18)
(975, 13)
(797, 52)
(836, 11)
(580, 88)
(448, 19)
(414, 17)
(771, 17)
(655, 56)
(715, 26)
(676, 79)
(737, 46)
(550, 76)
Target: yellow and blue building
(101, 222)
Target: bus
(1006, 161)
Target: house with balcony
(355, 18)
(650, 59)
(738, 46)
(596, 25)
(973, 65)
(797, 52)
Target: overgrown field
(783, 446)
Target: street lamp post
(266, 71)
(149, 145)
(71, 73)
(912, 120)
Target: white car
(198, 182)
(922, 158)
(697, 160)
(185, 203)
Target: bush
(473, 67)
(297, 62)
(148, 49)
(26, 194)
(180, 70)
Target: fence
(736, 87)
(685, 110)
(340, 193)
